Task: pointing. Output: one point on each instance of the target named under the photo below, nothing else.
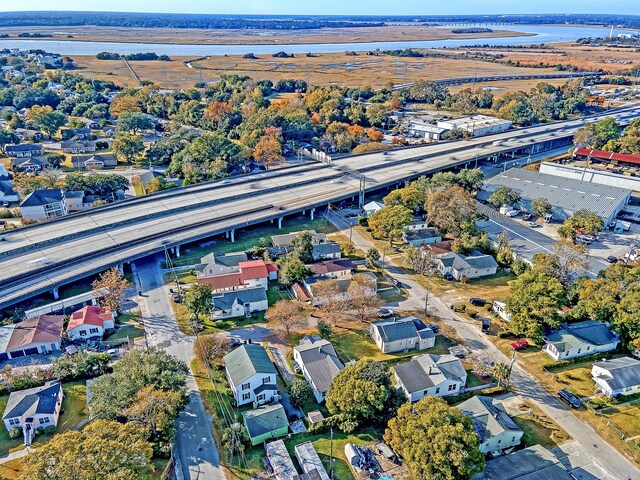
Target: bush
(15, 433)
(39, 431)
(300, 392)
(101, 145)
(363, 221)
(370, 147)
(519, 267)
(50, 430)
(5, 213)
(219, 324)
(325, 330)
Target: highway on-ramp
(36, 259)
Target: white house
(239, 303)
(435, 375)
(319, 364)
(580, 339)
(44, 204)
(459, 266)
(500, 308)
(251, 375)
(620, 376)
(33, 336)
(33, 408)
(372, 207)
(90, 322)
(496, 430)
(215, 264)
(337, 269)
(401, 334)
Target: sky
(334, 7)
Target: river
(540, 34)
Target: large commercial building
(593, 174)
(566, 195)
(476, 125)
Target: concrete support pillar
(55, 292)
(271, 221)
(312, 213)
(233, 235)
(226, 234)
(177, 251)
(121, 268)
(280, 222)
(513, 154)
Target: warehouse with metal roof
(566, 195)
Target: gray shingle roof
(323, 249)
(532, 463)
(401, 328)
(488, 416)
(423, 234)
(425, 371)
(589, 332)
(24, 147)
(247, 360)
(38, 400)
(625, 372)
(225, 300)
(265, 419)
(321, 362)
(42, 197)
(562, 192)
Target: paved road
(38, 258)
(194, 441)
(588, 456)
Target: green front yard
(539, 429)
(73, 408)
(208, 325)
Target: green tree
(533, 302)
(46, 118)
(291, 269)
(565, 262)
(302, 243)
(377, 114)
(389, 222)
(325, 329)
(206, 158)
(198, 300)
(159, 184)
(502, 373)
(100, 450)
(372, 255)
(450, 209)
(362, 393)
(435, 440)
(584, 221)
(128, 147)
(300, 392)
(541, 206)
(132, 122)
(503, 197)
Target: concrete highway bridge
(40, 258)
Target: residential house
(24, 150)
(109, 131)
(332, 268)
(435, 375)
(90, 322)
(33, 408)
(620, 376)
(286, 239)
(326, 251)
(438, 248)
(310, 462)
(7, 187)
(78, 147)
(215, 263)
(43, 204)
(579, 339)
(280, 461)
(239, 303)
(462, 267)
(94, 162)
(254, 273)
(29, 164)
(308, 291)
(31, 337)
(251, 375)
(422, 236)
(531, 463)
(401, 334)
(500, 309)
(28, 134)
(75, 133)
(496, 430)
(77, 201)
(266, 422)
(319, 363)
(372, 207)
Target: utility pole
(331, 456)
(426, 301)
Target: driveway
(587, 454)
(194, 442)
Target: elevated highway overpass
(40, 258)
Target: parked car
(569, 398)
(175, 297)
(434, 327)
(486, 325)
(396, 283)
(534, 225)
(521, 344)
(512, 213)
(5, 204)
(385, 313)
(612, 259)
(527, 216)
(477, 302)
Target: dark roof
(24, 147)
(532, 463)
(488, 416)
(265, 419)
(226, 300)
(247, 360)
(625, 372)
(590, 332)
(401, 328)
(413, 377)
(426, 233)
(328, 248)
(38, 400)
(7, 187)
(39, 198)
(321, 362)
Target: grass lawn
(540, 429)
(247, 238)
(213, 326)
(626, 419)
(73, 405)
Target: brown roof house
(31, 337)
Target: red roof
(253, 270)
(89, 315)
(329, 266)
(301, 292)
(272, 267)
(219, 282)
(43, 329)
(602, 155)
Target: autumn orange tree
(216, 111)
(269, 149)
(288, 315)
(112, 286)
